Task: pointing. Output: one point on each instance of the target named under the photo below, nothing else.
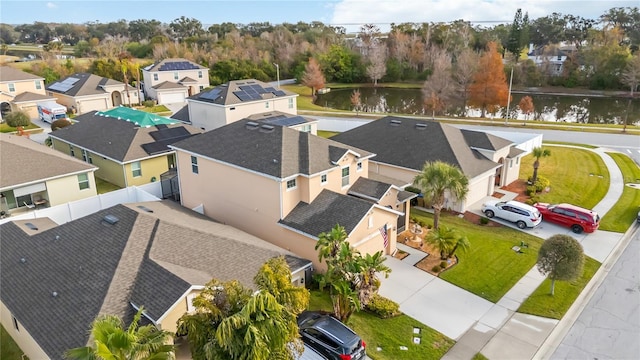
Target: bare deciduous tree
(313, 77)
(526, 106)
(355, 100)
(631, 74)
(438, 88)
(465, 69)
(378, 66)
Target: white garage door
(171, 98)
(89, 105)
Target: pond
(579, 109)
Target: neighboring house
(21, 91)
(128, 146)
(33, 175)
(403, 145)
(57, 279)
(279, 118)
(237, 100)
(171, 81)
(550, 58)
(84, 92)
(288, 186)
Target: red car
(575, 217)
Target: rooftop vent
(57, 237)
(395, 122)
(110, 219)
(23, 260)
(144, 208)
(266, 128)
(421, 126)
(252, 125)
(54, 294)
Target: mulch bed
(519, 187)
(433, 257)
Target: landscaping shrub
(148, 103)
(484, 221)
(531, 190)
(542, 183)
(59, 124)
(443, 264)
(421, 223)
(383, 307)
(436, 269)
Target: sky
(348, 13)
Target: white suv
(522, 214)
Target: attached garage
(172, 97)
(92, 104)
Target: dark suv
(330, 337)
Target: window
(291, 103)
(12, 87)
(306, 128)
(175, 75)
(15, 324)
(38, 84)
(136, 170)
(359, 166)
(510, 163)
(345, 176)
(155, 77)
(200, 74)
(517, 160)
(86, 157)
(201, 87)
(194, 164)
(323, 179)
(83, 181)
(71, 151)
(266, 105)
(190, 307)
(291, 184)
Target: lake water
(578, 109)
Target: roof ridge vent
(395, 122)
(110, 219)
(252, 125)
(266, 128)
(421, 126)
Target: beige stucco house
(21, 91)
(128, 146)
(238, 100)
(403, 145)
(156, 255)
(171, 81)
(288, 186)
(33, 175)
(84, 92)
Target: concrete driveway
(432, 301)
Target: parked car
(575, 217)
(521, 214)
(329, 337)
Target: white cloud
(356, 12)
(51, 5)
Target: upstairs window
(291, 103)
(12, 87)
(155, 77)
(200, 74)
(175, 75)
(323, 179)
(359, 166)
(136, 169)
(194, 164)
(345, 176)
(83, 181)
(291, 184)
(38, 84)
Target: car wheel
(489, 213)
(577, 229)
(521, 224)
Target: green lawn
(327, 134)
(490, 268)
(9, 350)
(390, 334)
(568, 143)
(105, 187)
(541, 303)
(156, 109)
(624, 212)
(304, 101)
(577, 176)
(4, 128)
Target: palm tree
(328, 244)
(538, 153)
(114, 342)
(439, 178)
(443, 239)
(460, 242)
(368, 283)
(344, 298)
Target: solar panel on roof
(242, 95)
(210, 95)
(244, 87)
(261, 90)
(255, 96)
(279, 93)
(71, 80)
(270, 89)
(169, 133)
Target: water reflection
(600, 110)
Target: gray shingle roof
(87, 84)
(409, 143)
(29, 96)
(325, 211)
(8, 74)
(483, 140)
(166, 85)
(276, 151)
(116, 139)
(279, 118)
(224, 94)
(182, 114)
(369, 189)
(34, 161)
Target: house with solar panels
(129, 147)
(171, 81)
(238, 99)
(84, 92)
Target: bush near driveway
(541, 303)
(624, 212)
(490, 267)
(574, 175)
(390, 334)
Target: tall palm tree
(114, 342)
(438, 178)
(369, 266)
(538, 153)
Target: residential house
(237, 100)
(403, 145)
(173, 80)
(33, 175)
(84, 92)
(55, 280)
(288, 186)
(21, 91)
(551, 58)
(279, 118)
(128, 146)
